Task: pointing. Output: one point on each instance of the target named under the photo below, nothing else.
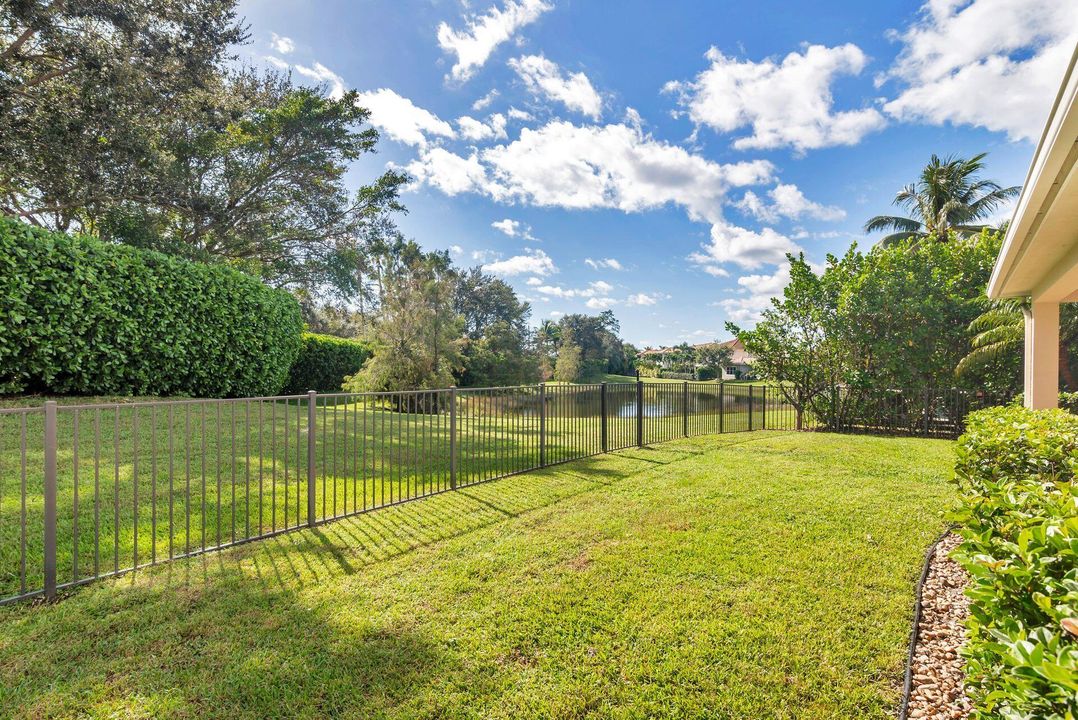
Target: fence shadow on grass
(261, 651)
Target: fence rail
(94, 490)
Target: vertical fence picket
(311, 439)
(50, 499)
(453, 438)
(542, 425)
(639, 413)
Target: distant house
(739, 366)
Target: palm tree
(1000, 332)
(949, 196)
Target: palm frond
(986, 204)
(893, 222)
(996, 317)
(981, 357)
(900, 237)
(1002, 334)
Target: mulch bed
(938, 670)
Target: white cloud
(593, 290)
(600, 303)
(322, 74)
(604, 263)
(760, 289)
(609, 166)
(473, 45)
(770, 285)
(747, 248)
(456, 250)
(708, 266)
(643, 299)
(787, 102)
(472, 129)
(278, 63)
(556, 313)
(484, 102)
(450, 173)
(787, 201)
(533, 262)
(498, 124)
(282, 44)
(514, 228)
(543, 77)
(507, 226)
(522, 115)
(995, 64)
(533, 281)
(612, 166)
(403, 120)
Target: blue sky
(659, 158)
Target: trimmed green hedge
(1018, 513)
(323, 363)
(81, 316)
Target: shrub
(81, 316)
(707, 373)
(1069, 401)
(323, 362)
(1018, 512)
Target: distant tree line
(704, 362)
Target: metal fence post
(602, 411)
(685, 408)
(927, 411)
(453, 438)
(311, 434)
(750, 406)
(722, 407)
(50, 499)
(640, 413)
(542, 424)
(763, 408)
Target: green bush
(81, 316)
(707, 373)
(323, 362)
(1069, 401)
(1018, 516)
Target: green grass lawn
(764, 575)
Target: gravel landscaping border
(933, 686)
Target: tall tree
(950, 196)
(792, 342)
(417, 333)
(496, 336)
(85, 91)
(892, 318)
(256, 179)
(597, 338)
(904, 312)
(570, 366)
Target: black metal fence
(93, 490)
(920, 412)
